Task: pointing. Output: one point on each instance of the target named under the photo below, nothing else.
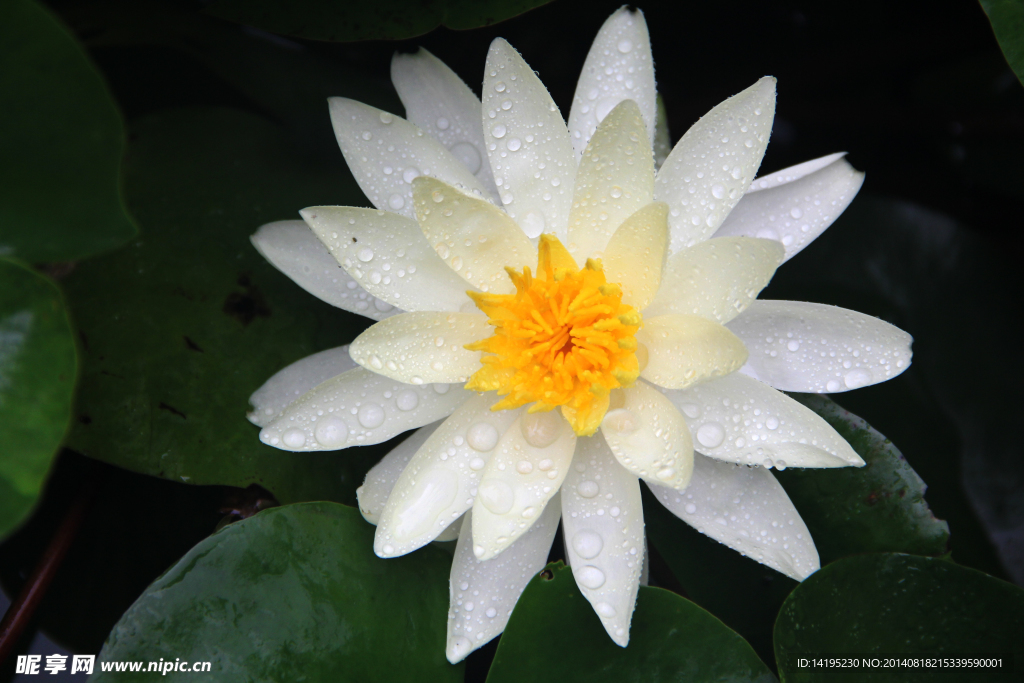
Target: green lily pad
(61, 140)
(384, 20)
(902, 605)
(37, 381)
(876, 508)
(1007, 19)
(181, 326)
(554, 635)
(294, 592)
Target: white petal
(389, 257)
(483, 593)
(441, 479)
(372, 496)
(614, 181)
(797, 212)
(741, 420)
(618, 67)
(603, 523)
(684, 350)
(385, 153)
(649, 437)
(662, 139)
(714, 163)
(797, 346)
(440, 103)
(451, 533)
(746, 509)
(476, 239)
(716, 279)
(359, 408)
(524, 472)
(788, 175)
(423, 347)
(290, 383)
(292, 248)
(636, 253)
(527, 144)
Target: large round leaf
(876, 508)
(554, 635)
(892, 604)
(382, 20)
(37, 379)
(293, 593)
(60, 138)
(1007, 17)
(180, 327)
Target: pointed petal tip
(458, 648)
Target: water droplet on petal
(710, 434)
(331, 432)
(541, 429)
(496, 496)
(590, 577)
(482, 437)
(294, 438)
(371, 415)
(587, 544)
(407, 399)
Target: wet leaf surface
(294, 589)
(37, 381)
(553, 634)
(61, 142)
(199, 320)
(901, 605)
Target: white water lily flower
(603, 296)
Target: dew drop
(410, 174)
(370, 415)
(407, 399)
(331, 432)
(541, 429)
(442, 123)
(294, 438)
(524, 467)
(796, 213)
(468, 154)
(856, 378)
(588, 489)
(482, 437)
(590, 577)
(396, 201)
(604, 610)
(690, 508)
(625, 46)
(717, 191)
(587, 544)
(496, 496)
(710, 434)
(833, 385)
(499, 131)
(365, 255)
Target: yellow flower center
(563, 339)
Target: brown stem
(19, 614)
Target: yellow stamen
(563, 339)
